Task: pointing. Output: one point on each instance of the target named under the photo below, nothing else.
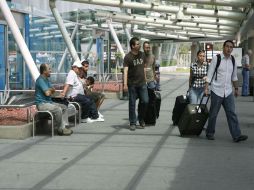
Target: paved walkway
(108, 156)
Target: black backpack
(218, 64)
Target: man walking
(135, 82)
(222, 93)
(246, 72)
(149, 66)
(43, 101)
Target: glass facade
(47, 45)
(2, 56)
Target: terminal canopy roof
(186, 20)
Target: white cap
(77, 64)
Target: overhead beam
(220, 29)
(235, 3)
(160, 34)
(149, 19)
(164, 8)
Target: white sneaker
(100, 115)
(87, 120)
(99, 119)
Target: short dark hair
(43, 67)
(200, 51)
(85, 62)
(133, 41)
(91, 79)
(146, 42)
(230, 41)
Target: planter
(18, 132)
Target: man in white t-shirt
(73, 89)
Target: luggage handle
(198, 108)
(187, 94)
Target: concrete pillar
(251, 46)
(156, 51)
(250, 43)
(195, 46)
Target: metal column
(63, 30)
(19, 39)
(66, 50)
(113, 33)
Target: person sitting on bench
(88, 82)
(43, 92)
(97, 97)
(73, 89)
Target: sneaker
(100, 115)
(90, 120)
(64, 131)
(210, 137)
(99, 119)
(241, 138)
(141, 125)
(132, 127)
(85, 120)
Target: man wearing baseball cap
(73, 89)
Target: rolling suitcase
(157, 103)
(180, 103)
(153, 108)
(193, 118)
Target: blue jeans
(151, 85)
(228, 104)
(245, 86)
(88, 106)
(158, 86)
(141, 93)
(196, 95)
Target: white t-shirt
(76, 86)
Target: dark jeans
(139, 92)
(228, 104)
(245, 86)
(88, 106)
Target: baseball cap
(77, 64)
(84, 61)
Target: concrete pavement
(108, 156)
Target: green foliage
(217, 46)
(184, 48)
(166, 63)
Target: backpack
(218, 64)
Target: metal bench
(49, 116)
(44, 114)
(78, 108)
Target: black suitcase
(193, 118)
(157, 103)
(153, 108)
(180, 103)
